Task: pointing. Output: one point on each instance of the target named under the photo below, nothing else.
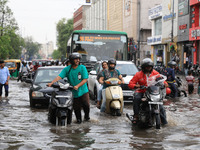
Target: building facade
(194, 31)
(79, 17)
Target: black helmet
(74, 56)
(146, 63)
(171, 64)
(111, 61)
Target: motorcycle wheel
(118, 113)
(52, 116)
(182, 93)
(157, 117)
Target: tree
(64, 31)
(10, 41)
(56, 54)
(32, 48)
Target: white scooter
(114, 97)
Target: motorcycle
(150, 112)
(114, 97)
(61, 103)
(24, 76)
(180, 92)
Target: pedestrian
(199, 86)
(4, 78)
(190, 81)
(111, 72)
(77, 76)
(100, 74)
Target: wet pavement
(24, 128)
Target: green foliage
(64, 30)
(56, 54)
(10, 41)
(31, 47)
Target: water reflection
(22, 127)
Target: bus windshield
(97, 46)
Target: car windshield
(10, 64)
(127, 69)
(46, 75)
(124, 69)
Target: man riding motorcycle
(169, 72)
(24, 68)
(111, 72)
(139, 80)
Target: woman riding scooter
(139, 80)
(106, 74)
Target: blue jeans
(103, 104)
(99, 94)
(6, 89)
(173, 89)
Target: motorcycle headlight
(116, 96)
(155, 98)
(37, 94)
(63, 86)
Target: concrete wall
(167, 24)
(115, 15)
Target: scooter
(60, 105)
(114, 97)
(180, 92)
(150, 112)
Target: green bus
(97, 45)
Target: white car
(127, 68)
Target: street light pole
(139, 15)
(172, 31)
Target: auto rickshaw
(13, 66)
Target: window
(158, 26)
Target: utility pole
(139, 15)
(172, 31)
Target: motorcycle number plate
(158, 103)
(127, 94)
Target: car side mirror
(93, 72)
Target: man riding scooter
(171, 77)
(139, 80)
(111, 72)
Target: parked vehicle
(114, 97)
(126, 68)
(13, 66)
(149, 114)
(61, 103)
(42, 76)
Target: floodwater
(24, 128)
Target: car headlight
(37, 94)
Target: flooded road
(23, 128)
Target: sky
(38, 18)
